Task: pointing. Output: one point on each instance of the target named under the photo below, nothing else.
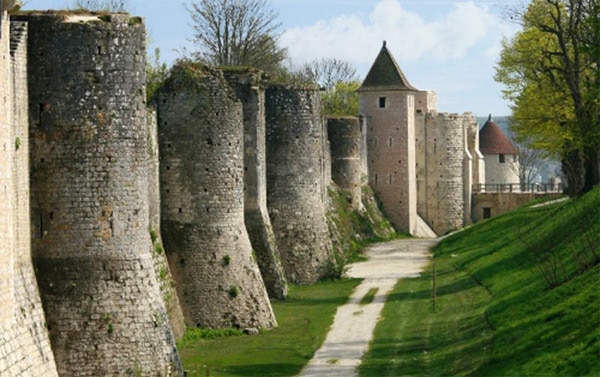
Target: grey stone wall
(161, 264)
(440, 140)
(24, 343)
(202, 178)
(248, 87)
(344, 140)
(90, 210)
(295, 179)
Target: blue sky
(450, 47)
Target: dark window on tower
(382, 102)
(502, 158)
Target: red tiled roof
(493, 141)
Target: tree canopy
(236, 33)
(550, 70)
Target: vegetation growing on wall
(352, 229)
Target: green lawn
(304, 319)
(517, 295)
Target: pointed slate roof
(385, 74)
(493, 141)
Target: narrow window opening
(502, 158)
(382, 102)
(180, 210)
(390, 179)
(376, 179)
(41, 225)
(390, 141)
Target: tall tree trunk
(572, 167)
(592, 168)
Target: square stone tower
(387, 103)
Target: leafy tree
(532, 161)
(329, 72)
(341, 100)
(156, 74)
(236, 33)
(550, 71)
(116, 6)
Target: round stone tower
(344, 139)
(201, 138)
(501, 157)
(89, 172)
(295, 183)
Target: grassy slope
(304, 319)
(495, 313)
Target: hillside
(516, 295)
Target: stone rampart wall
(440, 141)
(295, 181)
(90, 209)
(161, 264)
(344, 140)
(248, 87)
(202, 179)
(24, 343)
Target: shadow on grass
(274, 369)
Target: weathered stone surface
(202, 178)
(24, 343)
(441, 157)
(90, 206)
(344, 139)
(248, 87)
(295, 182)
(161, 264)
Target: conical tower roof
(385, 74)
(493, 141)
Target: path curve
(353, 325)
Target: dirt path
(353, 325)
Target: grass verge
(517, 295)
(304, 319)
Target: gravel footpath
(353, 326)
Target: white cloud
(357, 38)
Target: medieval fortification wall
(90, 208)
(230, 173)
(295, 180)
(24, 343)
(249, 88)
(390, 121)
(202, 179)
(345, 136)
(443, 166)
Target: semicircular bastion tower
(201, 138)
(296, 170)
(90, 209)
